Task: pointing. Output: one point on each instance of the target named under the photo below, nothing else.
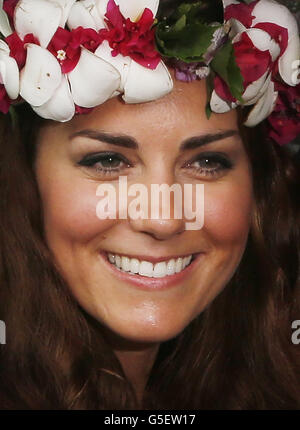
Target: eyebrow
(129, 142)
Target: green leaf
(236, 79)
(189, 43)
(188, 31)
(204, 11)
(208, 111)
(180, 24)
(224, 64)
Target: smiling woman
(142, 313)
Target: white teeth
(178, 267)
(171, 267)
(146, 268)
(111, 258)
(134, 265)
(125, 264)
(118, 261)
(188, 260)
(160, 270)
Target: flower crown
(65, 56)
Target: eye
(210, 164)
(105, 162)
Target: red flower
(278, 33)
(242, 12)
(66, 45)
(86, 37)
(252, 62)
(133, 39)
(5, 101)
(17, 48)
(284, 122)
(67, 54)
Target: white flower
(5, 27)
(138, 84)
(9, 72)
(271, 12)
(265, 21)
(52, 94)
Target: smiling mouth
(142, 267)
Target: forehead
(182, 112)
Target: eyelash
(222, 162)
(91, 160)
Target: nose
(161, 223)
(159, 229)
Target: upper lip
(150, 258)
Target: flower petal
(9, 75)
(219, 105)
(236, 28)
(40, 77)
(144, 85)
(91, 6)
(229, 2)
(4, 47)
(80, 17)
(289, 62)
(255, 90)
(263, 107)
(5, 27)
(61, 106)
(273, 12)
(122, 64)
(41, 18)
(262, 41)
(93, 81)
(132, 9)
(85, 14)
(66, 6)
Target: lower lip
(152, 283)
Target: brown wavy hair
(237, 354)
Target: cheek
(70, 210)
(228, 209)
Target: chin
(146, 333)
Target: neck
(137, 366)
(136, 359)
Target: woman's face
(144, 143)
